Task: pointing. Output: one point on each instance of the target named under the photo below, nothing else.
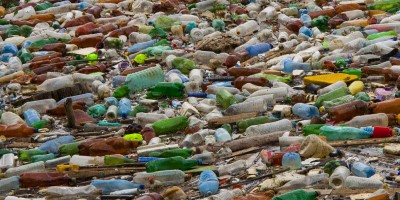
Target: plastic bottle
(32, 167)
(233, 168)
(10, 183)
(362, 170)
(307, 181)
(110, 160)
(225, 98)
(166, 89)
(144, 79)
(244, 124)
(222, 135)
(166, 177)
(342, 91)
(101, 147)
(88, 98)
(149, 118)
(289, 66)
(254, 50)
(7, 161)
(245, 29)
(379, 119)
(43, 157)
(258, 105)
(87, 160)
(185, 153)
(347, 111)
(57, 161)
(267, 14)
(40, 105)
(17, 130)
(333, 133)
(108, 186)
(354, 182)
(52, 146)
(297, 195)
(291, 161)
(60, 191)
(387, 106)
(43, 179)
(208, 183)
(170, 163)
(305, 111)
(206, 158)
(10, 118)
(338, 177)
(31, 116)
(124, 107)
(281, 125)
(170, 125)
(141, 46)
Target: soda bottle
(244, 124)
(342, 91)
(333, 133)
(166, 89)
(108, 186)
(17, 130)
(297, 194)
(347, 111)
(387, 106)
(170, 125)
(170, 163)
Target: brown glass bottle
(391, 106)
(101, 147)
(240, 81)
(328, 12)
(43, 179)
(77, 21)
(17, 130)
(347, 111)
(242, 71)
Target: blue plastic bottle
(306, 31)
(305, 111)
(108, 186)
(10, 48)
(147, 159)
(291, 161)
(31, 116)
(222, 135)
(109, 101)
(5, 57)
(52, 146)
(306, 19)
(197, 94)
(362, 170)
(118, 80)
(124, 107)
(208, 183)
(83, 5)
(141, 46)
(289, 66)
(256, 49)
(183, 77)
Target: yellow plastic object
(140, 58)
(398, 119)
(328, 79)
(63, 168)
(356, 87)
(134, 137)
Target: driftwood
(69, 111)
(363, 141)
(244, 143)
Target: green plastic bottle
(170, 163)
(4, 151)
(121, 92)
(166, 89)
(356, 72)
(156, 33)
(111, 160)
(104, 123)
(334, 133)
(97, 110)
(43, 6)
(184, 65)
(391, 6)
(170, 125)
(139, 108)
(26, 155)
(363, 96)
(185, 153)
(321, 23)
(297, 195)
(26, 30)
(164, 23)
(312, 129)
(40, 43)
(13, 30)
(24, 55)
(332, 95)
(227, 127)
(4, 22)
(43, 158)
(218, 24)
(41, 124)
(244, 124)
(69, 149)
(338, 101)
(381, 34)
(225, 98)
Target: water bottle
(40, 105)
(281, 125)
(57, 161)
(108, 186)
(124, 107)
(233, 168)
(7, 161)
(111, 114)
(141, 46)
(306, 31)
(206, 158)
(166, 177)
(257, 105)
(10, 48)
(118, 81)
(307, 181)
(58, 191)
(213, 89)
(203, 5)
(362, 170)
(52, 146)
(10, 118)
(289, 66)
(291, 161)
(379, 119)
(84, 161)
(31, 116)
(338, 177)
(222, 135)
(149, 118)
(333, 133)
(88, 98)
(144, 79)
(10, 183)
(111, 101)
(208, 183)
(355, 182)
(267, 14)
(305, 111)
(280, 93)
(332, 87)
(245, 29)
(32, 167)
(306, 19)
(260, 48)
(198, 137)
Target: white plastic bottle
(32, 167)
(111, 114)
(355, 182)
(56, 83)
(10, 118)
(40, 105)
(233, 168)
(379, 119)
(245, 29)
(87, 160)
(61, 191)
(257, 105)
(149, 118)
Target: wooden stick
(69, 111)
(363, 141)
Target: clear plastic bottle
(362, 170)
(338, 177)
(307, 181)
(227, 194)
(87, 160)
(40, 105)
(31, 116)
(111, 114)
(10, 118)
(206, 158)
(144, 79)
(305, 111)
(32, 167)
(379, 119)
(10, 183)
(258, 105)
(245, 29)
(57, 161)
(56, 83)
(267, 14)
(61, 191)
(233, 168)
(280, 93)
(149, 118)
(213, 89)
(281, 125)
(222, 135)
(166, 177)
(7, 161)
(355, 182)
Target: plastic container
(7, 161)
(338, 177)
(362, 170)
(354, 182)
(208, 183)
(305, 111)
(166, 177)
(291, 161)
(124, 107)
(281, 125)
(32, 167)
(108, 186)
(31, 116)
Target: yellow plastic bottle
(134, 137)
(356, 87)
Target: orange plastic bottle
(43, 17)
(349, 7)
(347, 111)
(84, 42)
(85, 29)
(17, 130)
(44, 179)
(101, 147)
(77, 21)
(95, 11)
(391, 106)
(240, 81)
(47, 56)
(389, 74)
(124, 31)
(328, 12)
(106, 28)
(31, 22)
(57, 47)
(242, 71)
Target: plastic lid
(124, 115)
(141, 186)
